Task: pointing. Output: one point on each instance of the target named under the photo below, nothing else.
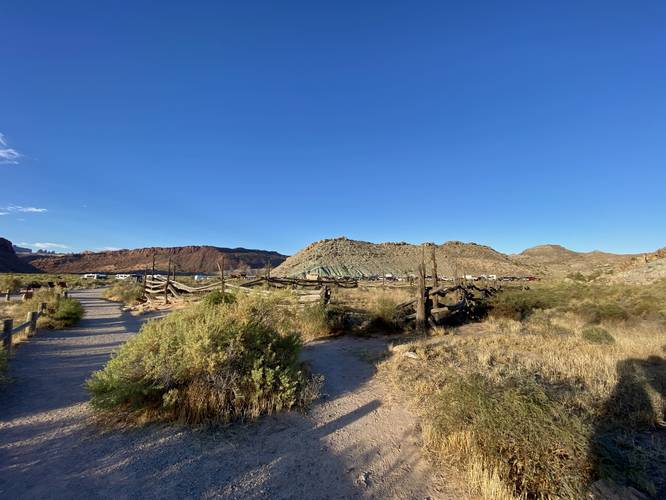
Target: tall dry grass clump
(210, 363)
(125, 291)
(548, 398)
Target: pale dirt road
(353, 443)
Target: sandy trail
(353, 443)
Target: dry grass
(376, 306)
(542, 406)
(125, 291)
(61, 313)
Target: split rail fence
(29, 327)
(168, 288)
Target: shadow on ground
(628, 445)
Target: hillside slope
(555, 260)
(10, 262)
(345, 257)
(189, 259)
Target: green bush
(217, 297)
(530, 439)
(68, 311)
(596, 313)
(206, 364)
(10, 282)
(592, 301)
(597, 335)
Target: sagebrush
(209, 363)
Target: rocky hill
(9, 261)
(189, 259)
(645, 273)
(555, 260)
(345, 257)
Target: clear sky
(272, 124)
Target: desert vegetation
(60, 312)
(126, 291)
(218, 361)
(562, 385)
(16, 281)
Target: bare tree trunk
(420, 300)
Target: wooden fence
(30, 327)
(168, 289)
(436, 304)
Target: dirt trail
(353, 443)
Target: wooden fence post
(420, 300)
(435, 278)
(8, 296)
(7, 326)
(32, 327)
(166, 285)
(220, 268)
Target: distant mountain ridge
(346, 257)
(188, 259)
(556, 260)
(10, 262)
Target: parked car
(95, 276)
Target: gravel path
(353, 443)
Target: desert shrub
(597, 335)
(10, 282)
(578, 276)
(68, 312)
(595, 303)
(125, 291)
(517, 431)
(217, 297)
(596, 313)
(318, 320)
(518, 304)
(206, 364)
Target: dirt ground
(353, 443)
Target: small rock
(364, 479)
(410, 354)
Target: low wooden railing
(30, 327)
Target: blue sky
(273, 124)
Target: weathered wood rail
(308, 291)
(296, 283)
(29, 327)
(434, 305)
